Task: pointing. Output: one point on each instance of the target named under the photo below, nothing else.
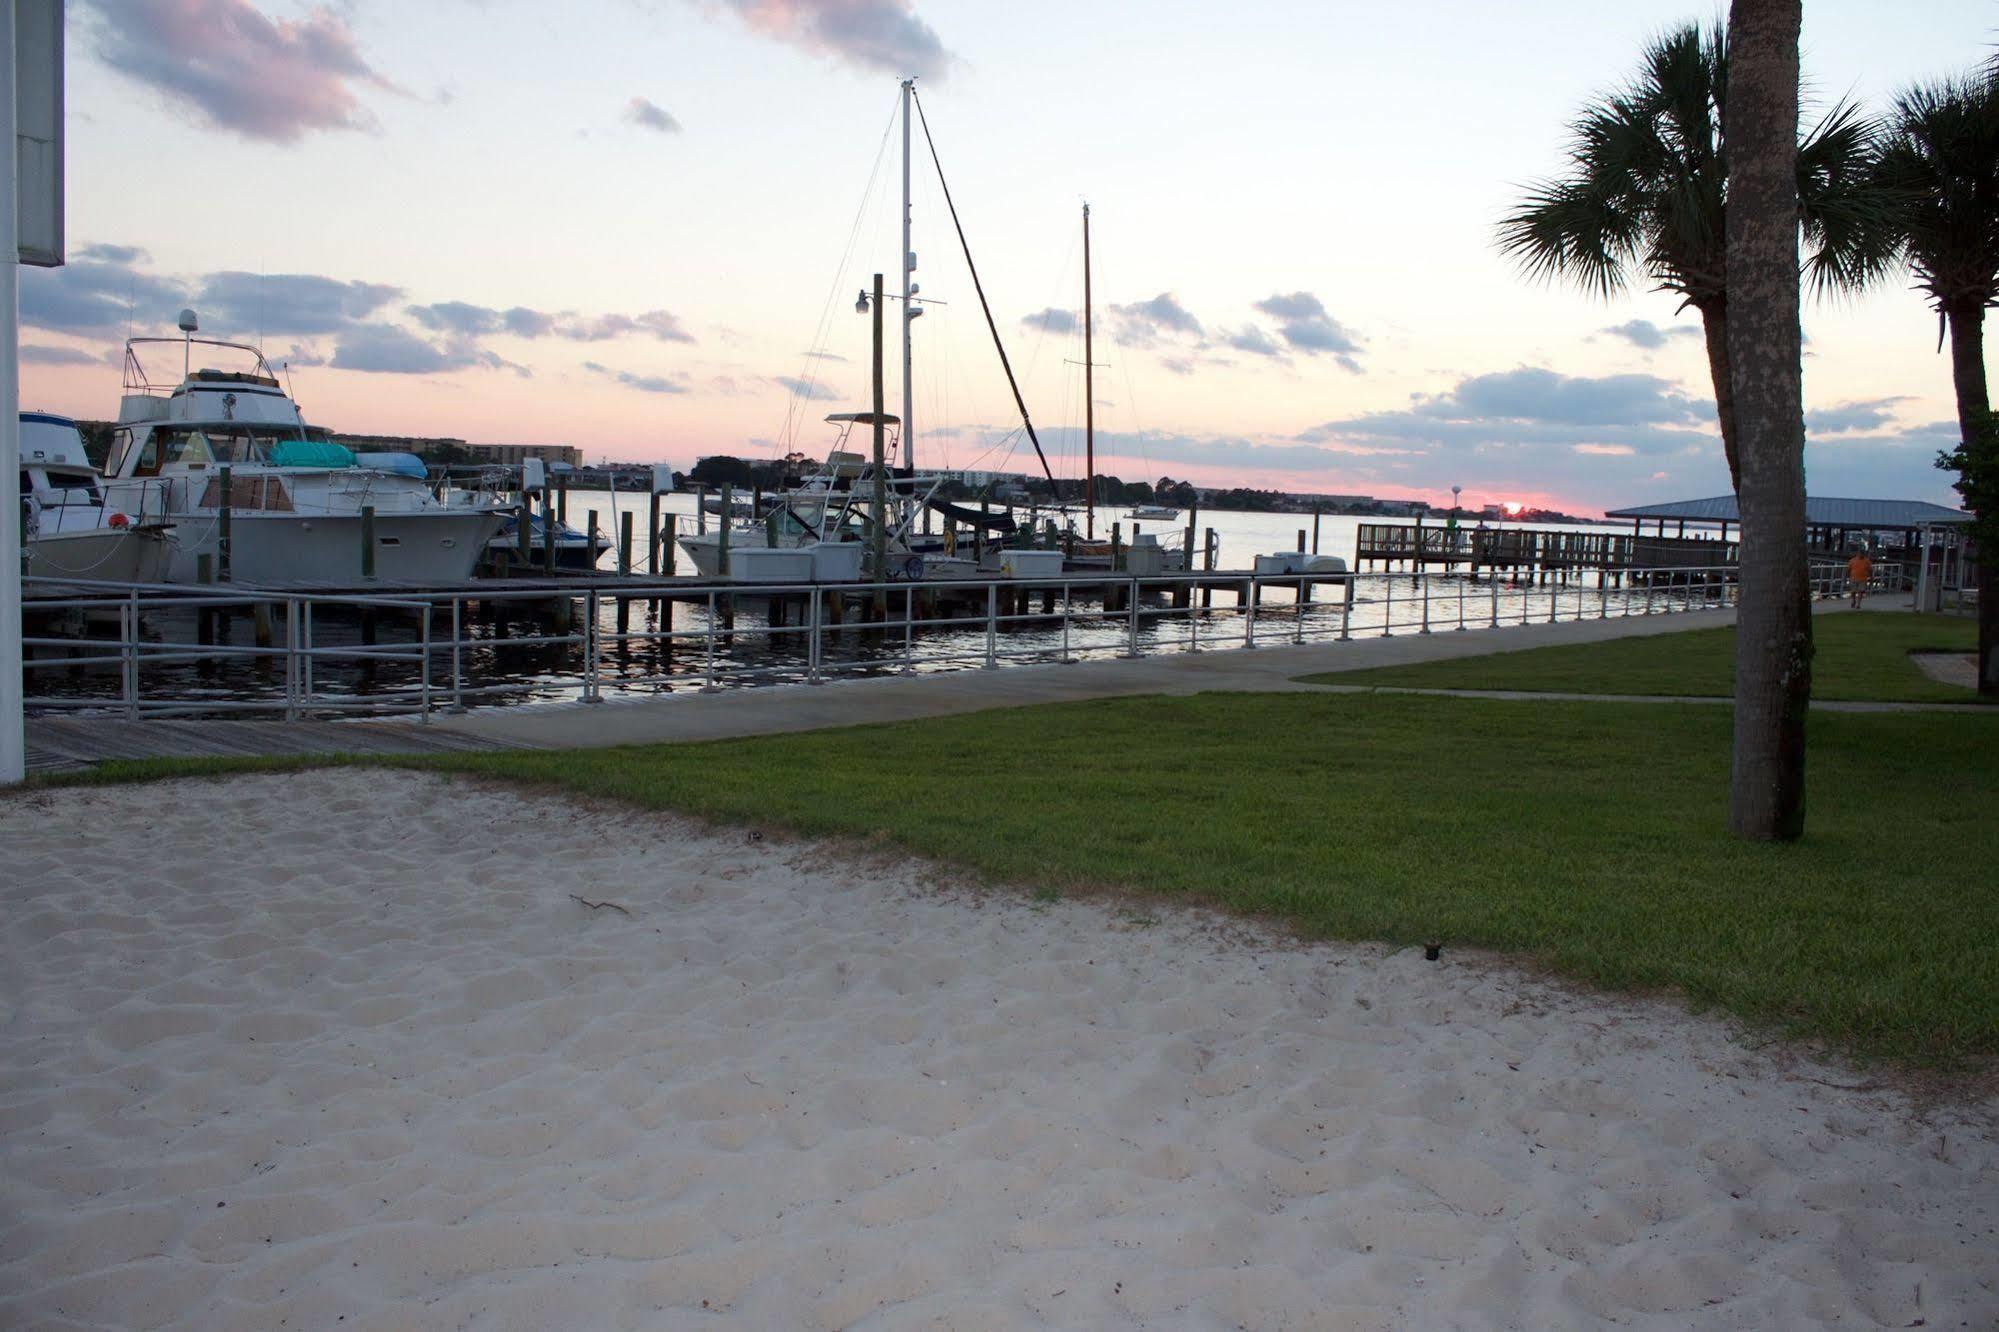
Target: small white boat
(298, 506)
(1154, 513)
(66, 529)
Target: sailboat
(836, 505)
(1091, 553)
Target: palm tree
(1773, 625)
(1646, 190)
(1941, 162)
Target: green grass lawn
(1590, 838)
(1863, 656)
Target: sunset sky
(639, 227)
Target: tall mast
(908, 306)
(1089, 397)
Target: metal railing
(649, 635)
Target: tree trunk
(1773, 636)
(1975, 427)
(1714, 321)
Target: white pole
(908, 310)
(13, 740)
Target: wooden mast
(1089, 397)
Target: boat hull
(101, 554)
(421, 548)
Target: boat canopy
(958, 513)
(310, 453)
(400, 464)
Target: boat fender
(912, 568)
(118, 520)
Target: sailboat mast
(908, 306)
(1089, 397)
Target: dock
(1542, 553)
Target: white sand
(283, 1052)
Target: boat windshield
(200, 445)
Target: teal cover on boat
(310, 453)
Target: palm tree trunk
(1975, 426)
(1773, 636)
(1714, 322)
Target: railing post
(129, 640)
(709, 686)
(291, 659)
(1554, 603)
(1346, 611)
(909, 628)
(1650, 582)
(992, 625)
(1602, 595)
(1131, 643)
(1388, 605)
(426, 663)
(1423, 581)
(1493, 576)
(305, 653)
(457, 660)
(812, 640)
(1193, 619)
(1461, 606)
(1302, 603)
(1066, 658)
(1255, 593)
(592, 640)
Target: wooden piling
(669, 553)
(549, 522)
(625, 543)
(204, 622)
(562, 497)
(223, 536)
(652, 534)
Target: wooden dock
(1543, 553)
(57, 744)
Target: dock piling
(222, 525)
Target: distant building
(514, 454)
(393, 443)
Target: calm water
(500, 661)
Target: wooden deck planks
(58, 743)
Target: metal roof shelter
(1860, 515)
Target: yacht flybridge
(295, 502)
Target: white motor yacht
(67, 530)
(297, 506)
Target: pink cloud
(244, 72)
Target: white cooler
(836, 561)
(765, 564)
(1031, 564)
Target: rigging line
(979, 287)
(809, 371)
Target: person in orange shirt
(1859, 570)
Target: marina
(636, 739)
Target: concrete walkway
(1549, 696)
(854, 702)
